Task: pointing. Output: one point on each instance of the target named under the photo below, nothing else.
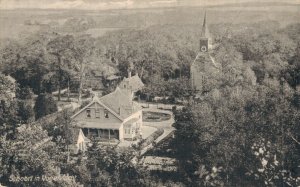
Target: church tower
(204, 71)
(204, 39)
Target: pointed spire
(204, 28)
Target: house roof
(120, 102)
(129, 123)
(112, 77)
(97, 73)
(96, 100)
(97, 125)
(134, 83)
(10, 78)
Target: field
(20, 23)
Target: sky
(118, 4)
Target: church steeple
(204, 28)
(204, 36)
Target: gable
(96, 112)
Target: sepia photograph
(150, 93)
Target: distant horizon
(94, 5)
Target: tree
(25, 111)
(221, 134)
(7, 88)
(27, 61)
(62, 130)
(32, 154)
(8, 107)
(60, 47)
(24, 93)
(115, 168)
(84, 49)
(44, 105)
(8, 118)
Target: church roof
(205, 58)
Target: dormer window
(88, 113)
(106, 113)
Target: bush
(24, 93)
(151, 138)
(25, 111)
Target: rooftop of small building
(134, 82)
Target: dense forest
(243, 132)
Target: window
(97, 113)
(106, 113)
(88, 113)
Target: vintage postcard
(150, 93)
